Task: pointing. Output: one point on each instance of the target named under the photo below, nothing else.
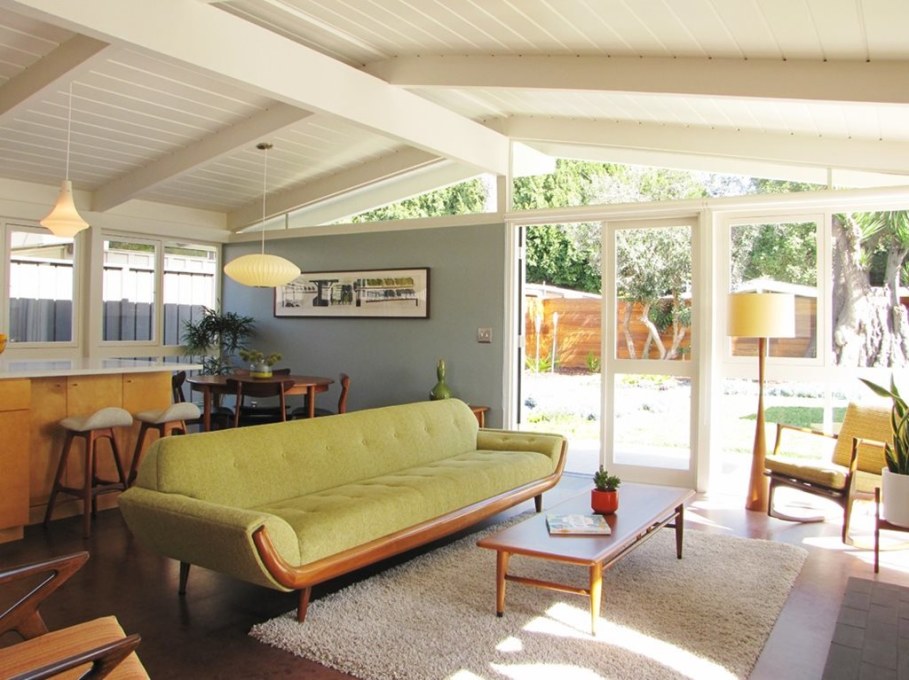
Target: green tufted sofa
(294, 504)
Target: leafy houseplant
(259, 363)
(895, 477)
(604, 499)
(215, 338)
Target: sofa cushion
(253, 466)
(333, 520)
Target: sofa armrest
(213, 536)
(553, 445)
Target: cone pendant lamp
(258, 269)
(64, 219)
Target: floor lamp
(762, 316)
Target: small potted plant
(604, 499)
(895, 477)
(259, 363)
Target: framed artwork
(359, 294)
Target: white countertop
(51, 368)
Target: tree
(870, 325)
(459, 199)
(654, 272)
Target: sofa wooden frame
(302, 578)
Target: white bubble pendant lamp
(258, 269)
(64, 219)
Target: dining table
(208, 385)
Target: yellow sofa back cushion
(252, 466)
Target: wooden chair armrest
(103, 660)
(856, 443)
(23, 616)
(781, 427)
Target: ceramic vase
(441, 389)
(604, 502)
(260, 370)
(895, 497)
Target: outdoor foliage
(460, 199)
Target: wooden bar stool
(166, 421)
(98, 425)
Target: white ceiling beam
(208, 38)
(222, 143)
(844, 81)
(333, 186)
(59, 67)
(771, 147)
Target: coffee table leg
(501, 569)
(596, 595)
(679, 526)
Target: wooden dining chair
(260, 389)
(221, 416)
(303, 411)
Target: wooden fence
(578, 334)
(51, 320)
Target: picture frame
(356, 294)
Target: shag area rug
(707, 615)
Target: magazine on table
(578, 524)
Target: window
(189, 285)
(778, 257)
(128, 290)
(134, 273)
(41, 279)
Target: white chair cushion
(175, 412)
(111, 416)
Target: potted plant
(259, 363)
(604, 499)
(895, 477)
(215, 338)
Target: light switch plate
(484, 335)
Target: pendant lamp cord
(69, 127)
(265, 147)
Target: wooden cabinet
(30, 411)
(15, 401)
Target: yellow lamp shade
(761, 315)
(63, 219)
(261, 270)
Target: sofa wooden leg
(304, 604)
(538, 502)
(184, 576)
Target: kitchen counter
(49, 368)
(35, 395)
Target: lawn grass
(800, 416)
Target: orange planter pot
(604, 502)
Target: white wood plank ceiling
(170, 97)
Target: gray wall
(393, 361)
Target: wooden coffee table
(643, 508)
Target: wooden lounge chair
(854, 469)
(93, 649)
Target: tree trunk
(678, 329)
(626, 330)
(653, 335)
(868, 329)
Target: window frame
(63, 348)
(134, 348)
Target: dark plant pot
(604, 502)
